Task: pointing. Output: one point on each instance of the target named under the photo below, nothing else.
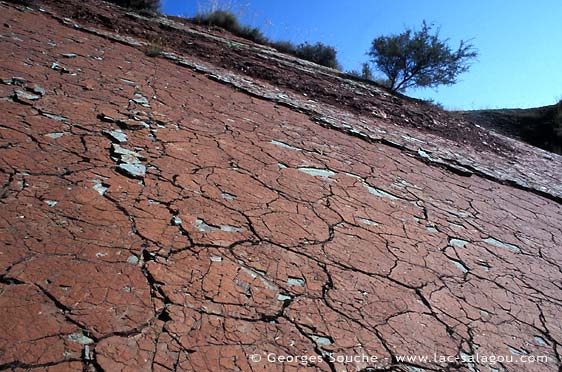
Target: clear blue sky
(519, 41)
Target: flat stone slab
(132, 170)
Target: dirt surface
(173, 214)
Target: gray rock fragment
(50, 203)
(126, 154)
(141, 100)
(55, 135)
(295, 281)
(132, 124)
(38, 90)
(132, 170)
(80, 338)
(22, 95)
(20, 82)
(116, 136)
(55, 66)
(99, 187)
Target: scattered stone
(21, 82)
(80, 338)
(424, 155)
(54, 117)
(321, 340)
(368, 222)
(132, 124)
(38, 90)
(50, 203)
(176, 221)
(540, 341)
(55, 135)
(459, 243)
(516, 351)
(204, 227)
(228, 196)
(132, 170)
(315, 172)
(126, 154)
(117, 136)
(106, 118)
(23, 96)
(283, 144)
(216, 259)
(378, 192)
(500, 244)
(282, 297)
(133, 260)
(432, 229)
(462, 267)
(63, 70)
(69, 55)
(295, 281)
(99, 187)
(141, 100)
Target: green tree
(420, 58)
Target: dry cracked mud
(166, 214)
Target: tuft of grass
(153, 50)
(219, 18)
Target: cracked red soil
(171, 214)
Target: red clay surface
(167, 214)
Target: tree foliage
(420, 58)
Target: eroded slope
(154, 218)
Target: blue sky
(519, 41)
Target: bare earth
(175, 214)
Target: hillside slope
(540, 126)
(222, 207)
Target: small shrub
(254, 34)
(219, 18)
(285, 47)
(365, 74)
(434, 103)
(152, 6)
(319, 53)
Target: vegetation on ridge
(144, 5)
(319, 53)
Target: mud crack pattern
(153, 218)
